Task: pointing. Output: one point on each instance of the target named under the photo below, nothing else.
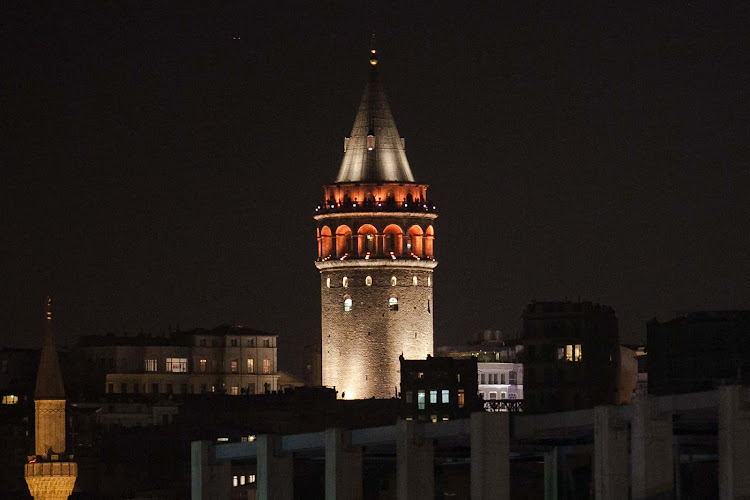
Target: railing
(375, 206)
(511, 405)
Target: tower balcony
(344, 206)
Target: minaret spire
(49, 384)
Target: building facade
(439, 389)
(698, 351)
(499, 372)
(229, 359)
(376, 256)
(570, 356)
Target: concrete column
(490, 456)
(209, 479)
(610, 455)
(275, 472)
(652, 464)
(550, 474)
(734, 443)
(343, 467)
(415, 463)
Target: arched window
(345, 282)
(414, 242)
(393, 304)
(393, 281)
(326, 242)
(347, 303)
(328, 282)
(415, 281)
(393, 240)
(343, 241)
(429, 241)
(368, 281)
(366, 240)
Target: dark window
(155, 388)
(111, 388)
(136, 388)
(124, 388)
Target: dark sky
(157, 172)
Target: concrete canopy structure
(375, 234)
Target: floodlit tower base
(51, 480)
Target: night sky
(160, 165)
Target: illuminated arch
(343, 241)
(348, 304)
(393, 303)
(367, 240)
(393, 240)
(429, 242)
(326, 242)
(415, 241)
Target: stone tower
(50, 474)
(375, 231)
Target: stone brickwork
(49, 426)
(360, 348)
(51, 480)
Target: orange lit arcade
(375, 234)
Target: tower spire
(49, 384)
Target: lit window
(235, 481)
(429, 281)
(393, 281)
(266, 366)
(234, 390)
(328, 282)
(347, 304)
(242, 480)
(569, 352)
(368, 281)
(10, 399)
(202, 364)
(393, 304)
(433, 397)
(461, 398)
(177, 365)
(345, 282)
(250, 365)
(420, 400)
(152, 365)
(446, 396)
(251, 478)
(233, 366)
(572, 352)
(577, 353)
(415, 281)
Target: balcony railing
(510, 405)
(375, 206)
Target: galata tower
(376, 256)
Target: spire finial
(48, 308)
(373, 51)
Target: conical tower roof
(49, 384)
(374, 151)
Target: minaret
(375, 230)
(50, 474)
